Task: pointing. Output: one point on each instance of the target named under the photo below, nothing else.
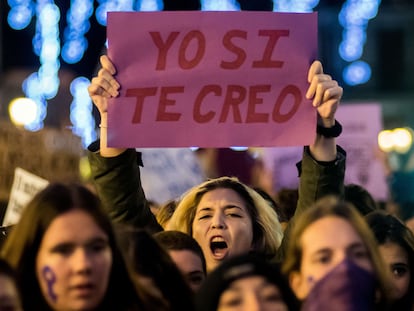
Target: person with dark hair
(187, 255)
(246, 282)
(153, 268)
(361, 198)
(10, 299)
(65, 254)
(396, 245)
(287, 199)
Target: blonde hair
(267, 231)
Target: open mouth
(218, 247)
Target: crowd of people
(223, 245)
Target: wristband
(330, 132)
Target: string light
(81, 111)
(77, 19)
(354, 17)
(20, 14)
(44, 84)
(228, 5)
(302, 6)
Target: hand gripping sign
(211, 79)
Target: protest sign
(364, 166)
(25, 186)
(169, 172)
(51, 153)
(361, 124)
(211, 79)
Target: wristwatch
(330, 132)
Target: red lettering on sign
(162, 114)
(201, 48)
(252, 115)
(140, 94)
(229, 45)
(235, 95)
(297, 97)
(241, 103)
(163, 47)
(274, 35)
(207, 117)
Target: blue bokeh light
(228, 5)
(356, 73)
(80, 111)
(20, 16)
(302, 6)
(354, 17)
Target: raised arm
(322, 169)
(326, 95)
(115, 171)
(103, 87)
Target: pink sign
(211, 79)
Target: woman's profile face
(252, 293)
(326, 243)
(222, 226)
(73, 263)
(396, 258)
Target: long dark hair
(148, 259)
(388, 228)
(22, 245)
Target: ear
(297, 284)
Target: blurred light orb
(385, 140)
(402, 140)
(358, 72)
(23, 111)
(399, 140)
(20, 16)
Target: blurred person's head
(64, 252)
(187, 255)
(246, 282)
(153, 268)
(287, 200)
(361, 198)
(331, 241)
(396, 245)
